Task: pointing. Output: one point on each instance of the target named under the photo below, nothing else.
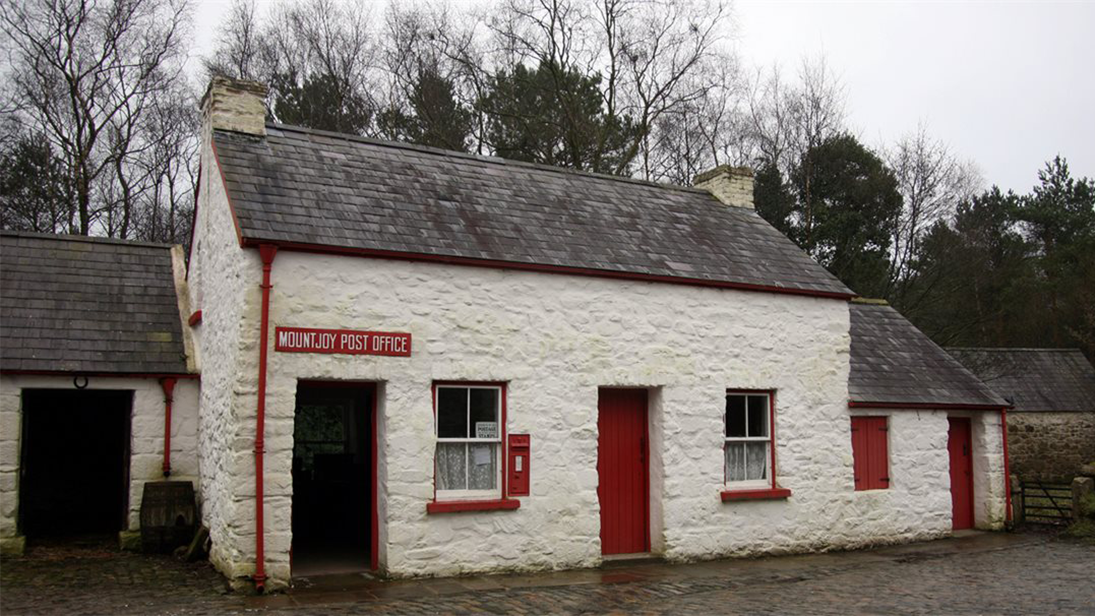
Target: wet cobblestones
(981, 573)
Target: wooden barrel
(169, 515)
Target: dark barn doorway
(74, 467)
(333, 477)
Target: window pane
(452, 412)
(483, 473)
(735, 461)
(451, 466)
(756, 460)
(758, 415)
(484, 410)
(735, 415)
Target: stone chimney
(731, 185)
(235, 105)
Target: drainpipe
(267, 252)
(1007, 470)
(168, 385)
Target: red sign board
(345, 341)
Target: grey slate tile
(894, 362)
(321, 188)
(1060, 380)
(87, 305)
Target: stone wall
(224, 284)
(146, 438)
(1050, 446)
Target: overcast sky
(1007, 85)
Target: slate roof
(326, 189)
(1034, 379)
(893, 362)
(87, 305)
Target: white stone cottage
(423, 363)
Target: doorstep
(626, 560)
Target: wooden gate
(1046, 503)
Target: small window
(469, 438)
(748, 439)
(870, 453)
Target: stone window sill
(762, 494)
(500, 504)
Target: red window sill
(764, 494)
(483, 505)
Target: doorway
(960, 449)
(74, 466)
(334, 479)
(622, 468)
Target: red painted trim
(501, 504)
(771, 433)
(855, 404)
(541, 267)
(168, 385)
(111, 375)
(1007, 469)
(765, 494)
(195, 318)
(231, 207)
(267, 252)
(374, 466)
(374, 513)
(503, 449)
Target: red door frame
(967, 485)
(645, 451)
(374, 503)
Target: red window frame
(871, 452)
(492, 504)
(753, 493)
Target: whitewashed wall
(146, 437)
(224, 284)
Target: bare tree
(239, 44)
(83, 73)
(932, 182)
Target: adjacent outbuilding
(1051, 427)
(98, 385)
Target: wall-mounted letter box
(519, 462)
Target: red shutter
(878, 457)
(870, 453)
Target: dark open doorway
(333, 479)
(74, 467)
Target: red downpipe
(168, 385)
(1007, 469)
(267, 252)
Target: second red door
(959, 445)
(622, 468)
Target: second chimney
(235, 105)
(731, 185)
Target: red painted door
(622, 469)
(960, 447)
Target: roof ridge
(67, 237)
(496, 160)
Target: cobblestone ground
(980, 573)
